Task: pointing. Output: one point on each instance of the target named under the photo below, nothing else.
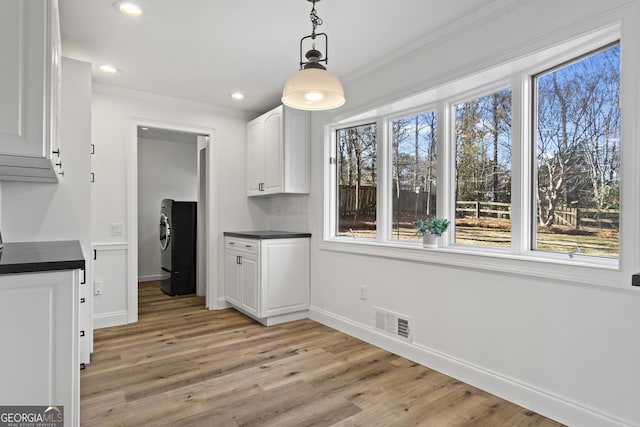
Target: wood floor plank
(182, 365)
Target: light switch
(116, 229)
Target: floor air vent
(393, 324)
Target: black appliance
(178, 247)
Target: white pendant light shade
(313, 89)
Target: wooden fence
(483, 210)
(410, 202)
(367, 200)
(580, 217)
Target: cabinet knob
(56, 152)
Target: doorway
(179, 158)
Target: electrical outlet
(363, 292)
(97, 287)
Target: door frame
(132, 211)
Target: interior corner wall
(562, 349)
(166, 170)
(114, 111)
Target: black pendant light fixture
(313, 87)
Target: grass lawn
(496, 232)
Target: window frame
(520, 259)
(450, 141)
(533, 149)
(388, 156)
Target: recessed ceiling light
(237, 96)
(128, 8)
(109, 69)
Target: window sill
(581, 269)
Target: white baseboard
(222, 304)
(540, 401)
(150, 278)
(106, 320)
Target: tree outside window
(577, 133)
(357, 181)
(483, 170)
(414, 171)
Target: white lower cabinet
(39, 335)
(268, 279)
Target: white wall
(166, 170)
(567, 350)
(114, 113)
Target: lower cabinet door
(250, 284)
(232, 278)
(39, 334)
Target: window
(523, 159)
(483, 170)
(577, 132)
(357, 181)
(414, 171)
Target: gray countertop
(268, 234)
(29, 257)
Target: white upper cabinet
(29, 90)
(278, 157)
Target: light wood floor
(182, 365)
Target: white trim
(110, 246)
(150, 278)
(541, 401)
(132, 222)
(132, 207)
(106, 320)
(222, 304)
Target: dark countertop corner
(30, 257)
(267, 234)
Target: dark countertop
(262, 235)
(29, 257)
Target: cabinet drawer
(242, 245)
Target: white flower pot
(430, 240)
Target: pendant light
(313, 87)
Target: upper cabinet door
(273, 151)
(255, 156)
(29, 77)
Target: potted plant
(431, 229)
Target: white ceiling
(203, 50)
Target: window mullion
(521, 152)
(446, 169)
(383, 210)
